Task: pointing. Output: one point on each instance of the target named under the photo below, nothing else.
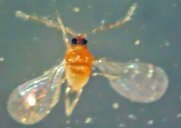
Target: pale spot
(1, 59)
(167, 43)
(132, 117)
(103, 22)
(137, 42)
(31, 100)
(121, 125)
(68, 121)
(76, 9)
(88, 120)
(179, 115)
(137, 60)
(150, 122)
(115, 105)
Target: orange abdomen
(78, 66)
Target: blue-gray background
(30, 48)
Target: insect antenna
(118, 23)
(58, 24)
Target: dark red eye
(84, 41)
(74, 41)
(79, 40)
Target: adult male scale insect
(32, 101)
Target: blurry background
(27, 49)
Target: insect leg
(69, 106)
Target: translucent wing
(32, 101)
(139, 82)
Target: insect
(30, 102)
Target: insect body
(30, 102)
(79, 63)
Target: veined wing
(139, 82)
(32, 101)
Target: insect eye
(74, 41)
(84, 41)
